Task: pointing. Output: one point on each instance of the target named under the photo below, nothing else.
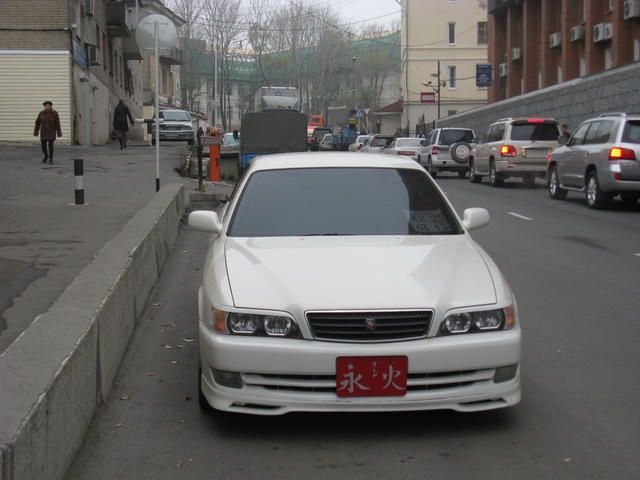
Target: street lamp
(437, 88)
(353, 81)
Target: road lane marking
(637, 254)
(520, 216)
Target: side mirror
(205, 221)
(562, 140)
(475, 218)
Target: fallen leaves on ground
(187, 398)
(151, 374)
(167, 347)
(174, 362)
(188, 340)
(155, 304)
(179, 464)
(117, 425)
(168, 325)
(125, 397)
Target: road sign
(427, 97)
(484, 75)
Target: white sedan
(345, 282)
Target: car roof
(281, 161)
(409, 138)
(524, 119)
(455, 128)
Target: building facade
(451, 35)
(535, 44)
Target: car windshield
(363, 201)
(381, 141)
(631, 133)
(409, 142)
(175, 116)
(547, 131)
(449, 137)
(229, 141)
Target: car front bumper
(286, 375)
(176, 135)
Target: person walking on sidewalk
(48, 126)
(120, 123)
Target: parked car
(601, 160)
(230, 146)
(358, 143)
(408, 147)
(316, 137)
(326, 144)
(175, 125)
(378, 143)
(514, 147)
(295, 316)
(365, 144)
(448, 150)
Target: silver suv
(514, 147)
(447, 149)
(601, 159)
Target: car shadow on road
(361, 426)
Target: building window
(105, 51)
(482, 33)
(452, 33)
(560, 74)
(610, 6)
(583, 67)
(636, 50)
(608, 58)
(451, 82)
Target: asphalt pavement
(575, 274)
(45, 240)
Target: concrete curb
(61, 367)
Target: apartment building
(80, 54)
(538, 43)
(443, 39)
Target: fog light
(504, 374)
(227, 379)
(243, 324)
(277, 326)
(459, 323)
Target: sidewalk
(45, 241)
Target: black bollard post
(78, 172)
(200, 180)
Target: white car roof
(330, 159)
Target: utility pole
(353, 81)
(438, 86)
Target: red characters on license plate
(371, 376)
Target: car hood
(381, 272)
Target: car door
(597, 146)
(481, 150)
(571, 161)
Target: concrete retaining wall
(570, 102)
(63, 365)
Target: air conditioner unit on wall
(631, 9)
(555, 40)
(516, 54)
(93, 55)
(602, 32)
(504, 69)
(577, 33)
(89, 7)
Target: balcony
(172, 57)
(130, 49)
(118, 19)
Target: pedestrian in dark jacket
(48, 126)
(120, 123)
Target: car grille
(319, 384)
(350, 326)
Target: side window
(593, 134)
(496, 133)
(434, 136)
(604, 132)
(579, 135)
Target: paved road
(575, 273)
(45, 242)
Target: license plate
(371, 376)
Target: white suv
(448, 149)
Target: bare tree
(190, 34)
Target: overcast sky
(359, 10)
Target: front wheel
(555, 190)
(473, 178)
(495, 180)
(596, 198)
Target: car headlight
(251, 324)
(478, 321)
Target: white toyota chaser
(343, 282)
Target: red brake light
(508, 151)
(405, 152)
(617, 153)
(536, 120)
(549, 156)
(435, 150)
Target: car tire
(460, 152)
(596, 198)
(495, 180)
(556, 192)
(630, 198)
(202, 400)
(462, 173)
(473, 178)
(430, 169)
